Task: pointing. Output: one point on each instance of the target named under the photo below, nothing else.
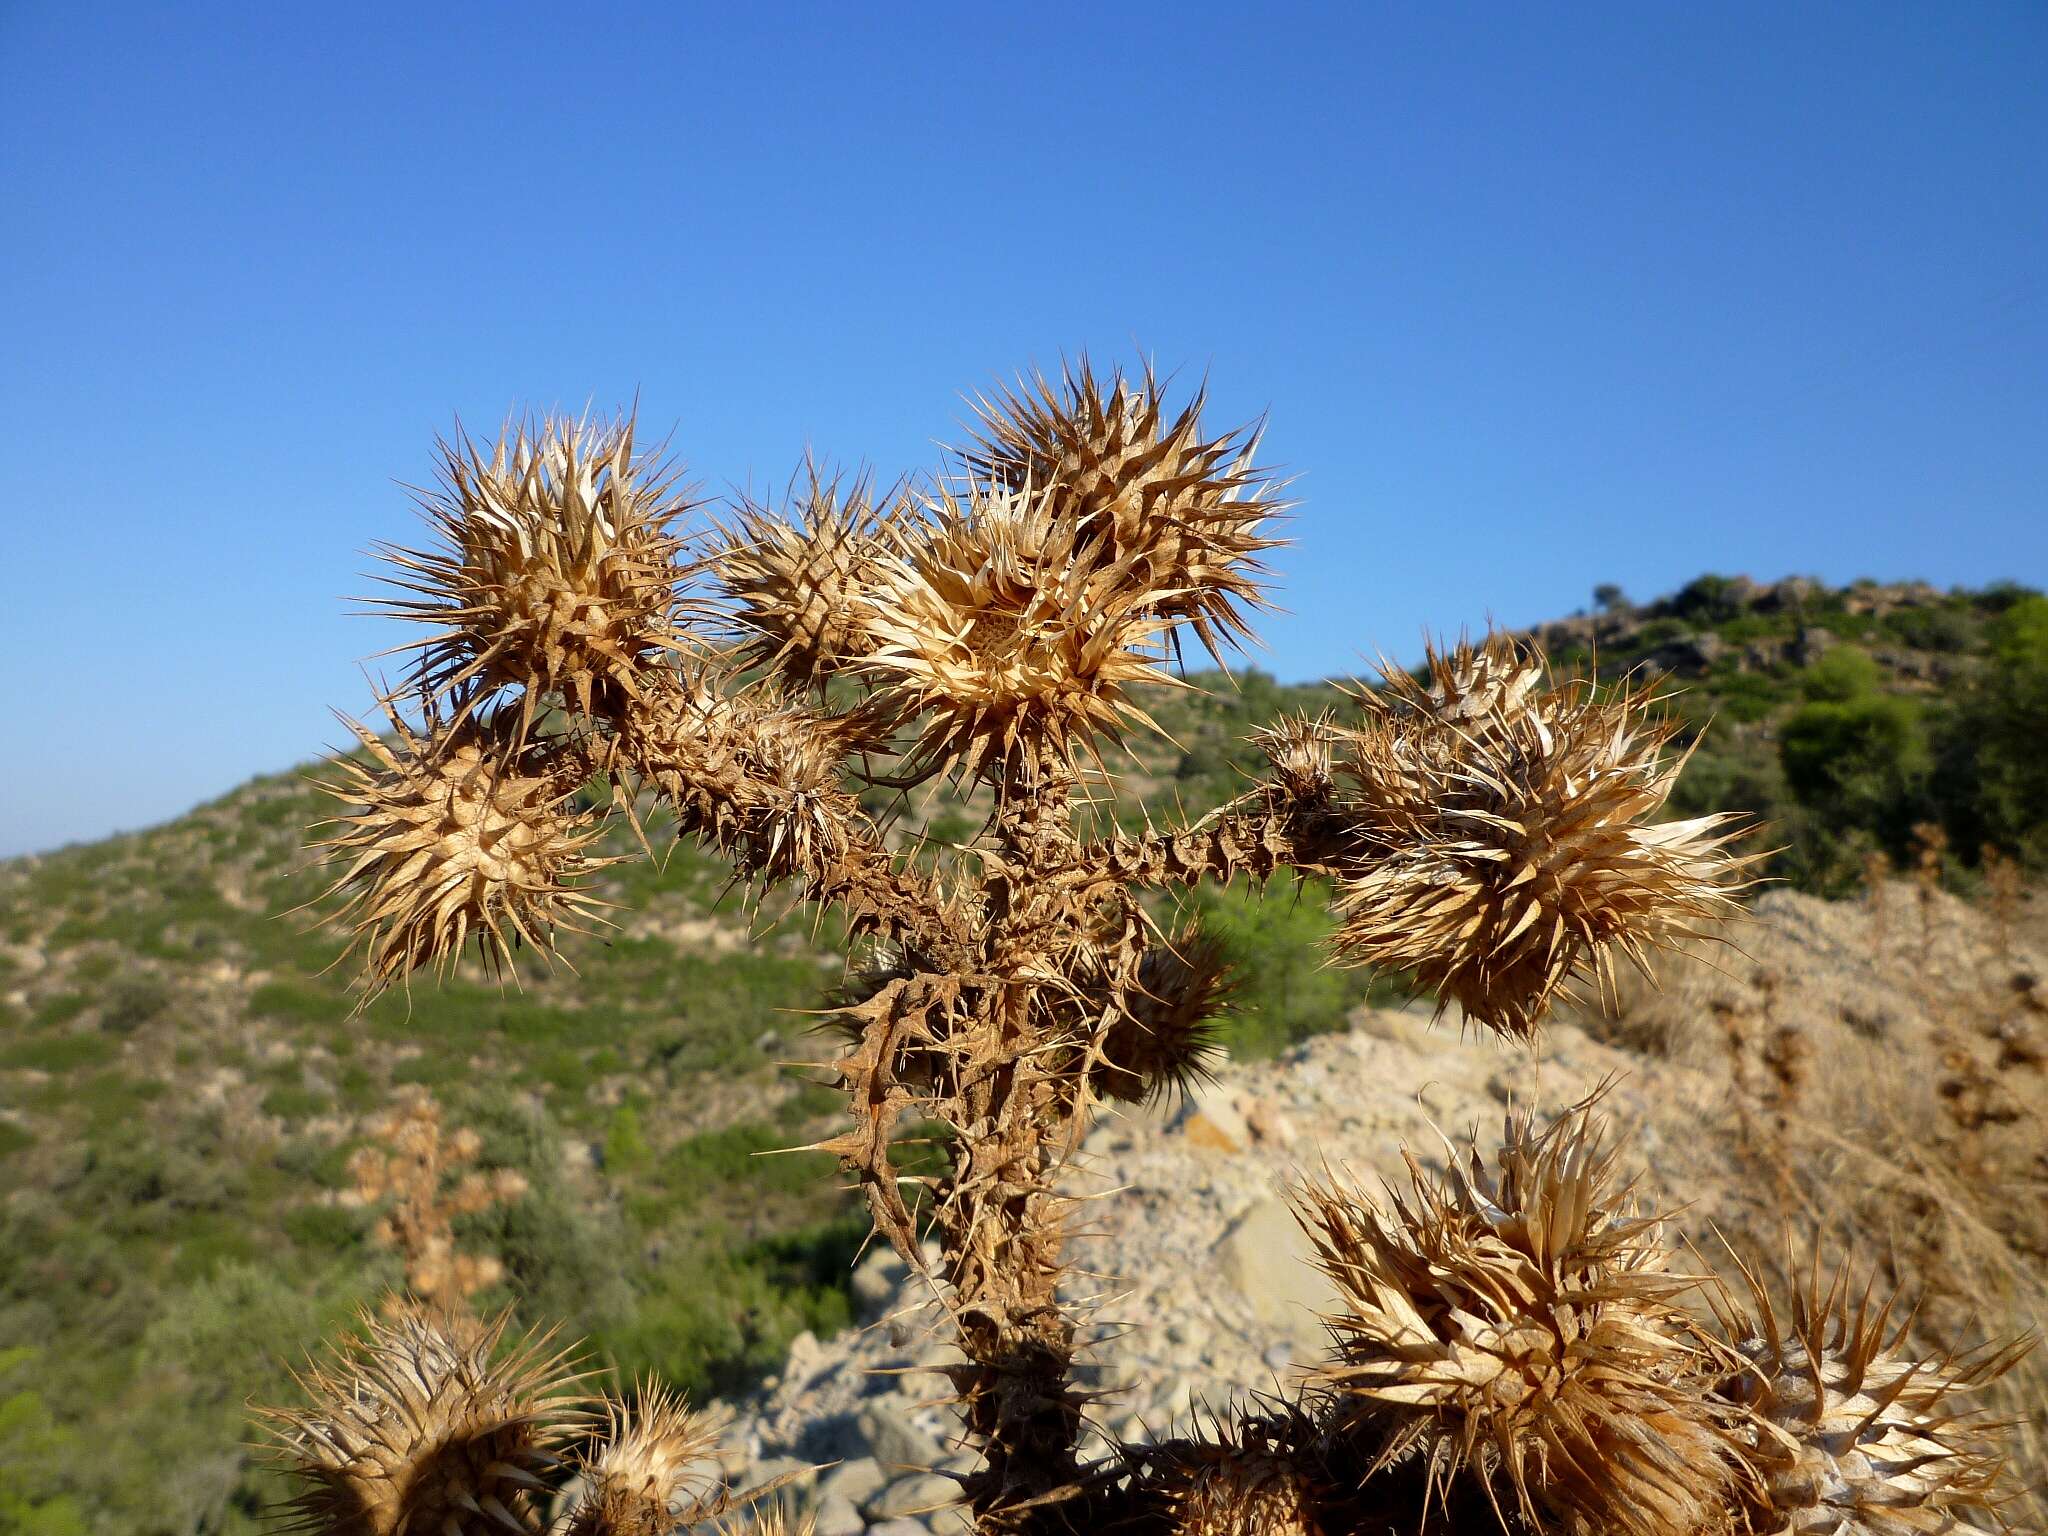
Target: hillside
(182, 1082)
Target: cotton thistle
(652, 1471)
(1856, 1431)
(1522, 1325)
(1506, 848)
(408, 1169)
(1490, 834)
(800, 588)
(1187, 512)
(426, 1425)
(1162, 1036)
(1008, 635)
(559, 569)
(456, 832)
(1254, 1475)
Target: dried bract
(416, 1427)
(652, 1471)
(1521, 1324)
(1856, 1431)
(456, 832)
(1506, 841)
(801, 587)
(559, 570)
(1187, 513)
(1161, 1038)
(994, 622)
(1250, 1478)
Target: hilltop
(182, 1079)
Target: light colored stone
(836, 1516)
(855, 1481)
(917, 1495)
(895, 1438)
(1268, 1261)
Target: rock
(919, 1494)
(876, 1280)
(1809, 645)
(837, 1517)
(855, 1481)
(1268, 1259)
(895, 1438)
(1213, 1121)
(898, 1528)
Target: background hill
(182, 1083)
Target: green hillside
(182, 1082)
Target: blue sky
(1536, 296)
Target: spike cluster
(801, 589)
(652, 1472)
(459, 831)
(1009, 634)
(425, 1424)
(559, 569)
(1160, 1034)
(1521, 1323)
(1146, 492)
(1857, 1433)
(1506, 847)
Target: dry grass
(1882, 1091)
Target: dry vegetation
(1521, 1345)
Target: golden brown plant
(411, 1169)
(651, 1472)
(1492, 834)
(1507, 847)
(1854, 1432)
(559, 569)
(1523, 1324)
(459, 831)
(425, 1423)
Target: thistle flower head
(454, 832)
(425, 1425)
(1162, 1032)
(652, 1471)
(1300, 752)
(1250, 1478)
(1007, 635)
(1857, 1432)
(1521, 1323)
(1188, 512)
(1507, 844)
(801, 586)
(558, 570)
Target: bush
(1993, 773)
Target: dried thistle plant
(423, 1178)
(1490, 832)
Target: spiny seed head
(1522, 1322)
(1187, 512)
(1856, 1431)
(424, 1424)
(746, 764)
(558, 570)
(1507, 847)
(1299, 750)
(653, 1470)
(457, 831)
(993, 623)
(1162, 1037)
(801, 586)
(1249, 1478)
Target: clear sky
(1536, 296)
